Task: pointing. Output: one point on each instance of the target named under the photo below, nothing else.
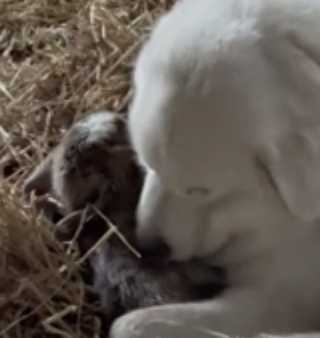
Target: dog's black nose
(155, 249)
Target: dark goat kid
(95, 164)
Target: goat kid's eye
(94, 196)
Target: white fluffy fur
(226, 121)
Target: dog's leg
(237, 313)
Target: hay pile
(59, 59)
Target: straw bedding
(59, 59)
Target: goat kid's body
(226, 122)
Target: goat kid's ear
(40, 179)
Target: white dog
(226, 122)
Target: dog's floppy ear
(293, 164)
(40, 179)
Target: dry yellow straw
(58, 60)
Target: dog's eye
(199, 191)
(195, 192)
